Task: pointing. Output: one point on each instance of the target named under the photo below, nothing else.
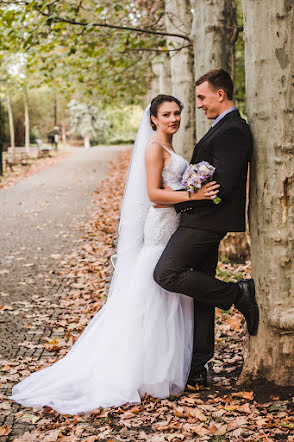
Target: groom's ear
(221, 95)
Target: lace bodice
(161, 223)
(173, 172)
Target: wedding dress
(139, 342)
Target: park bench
(18, 155)
(43, 151)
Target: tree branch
(106, 25)
(155, 50)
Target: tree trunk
(214, 30)
(86, 141)
(27, 120)
(10, 119)
(178, 19)
(161, 82)
(165, 80)
(63, 133)
(153, 89)
(235, 247)
(269, 62)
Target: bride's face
(168, 117)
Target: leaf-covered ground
(223, 412)
(30, 167)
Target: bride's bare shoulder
(154, 146)
(154, 152)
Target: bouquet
(196, 175)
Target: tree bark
(179, 17)
(214, 31)
(10, 119)
(269, 62)
(235, 247)
(86, 141)
(165, 80)
(63, 133)
(153, 89)
(161, 81)
(27, 119)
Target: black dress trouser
(187, 266)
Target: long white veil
(139, 341)
(135, 206)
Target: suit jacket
(228, 147)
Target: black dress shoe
(198, 379)
(247, 305)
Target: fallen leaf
(195, 429)
(245, 408)
(5, 430)
(180, 412)
(198, 414)
(235, 323)
(216, 429)
(279, 406)
(245, 395)
(6, 307)
(30, 418)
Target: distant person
(50, 138)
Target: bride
(141, 339)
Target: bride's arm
(154, 161)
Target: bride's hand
(206, 192)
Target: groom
(189, 261)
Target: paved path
(37, 222)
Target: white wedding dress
(139, 342)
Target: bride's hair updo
(157, 101)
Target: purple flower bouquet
(196, 175)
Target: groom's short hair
(218, 79)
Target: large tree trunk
(161, 82)
(215, 31)
(87, 141)
(10, 119)
(165, 80)
(235, 247)
(269, 61)
(63, 133)
(153, 89)
(27, 119)
(179, 19)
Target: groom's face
(208, 99)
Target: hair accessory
(180, 101)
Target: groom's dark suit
(189, 261)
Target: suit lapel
(216, 127)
